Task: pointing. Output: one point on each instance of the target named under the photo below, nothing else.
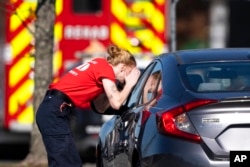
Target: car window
(148, 87)
(152, 88)
(218, 77)
(135, 94)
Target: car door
(142, 102)
(127, 128)
(116, 141)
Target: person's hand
(133, 77)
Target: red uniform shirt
(84, 83)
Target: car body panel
(140, 135)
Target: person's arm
(101, 103)
(116, 98)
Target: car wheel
(137, 163)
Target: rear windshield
(214, 77)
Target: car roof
(209, 55)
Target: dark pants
(54, 126)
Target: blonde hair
(118, 55)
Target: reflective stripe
(146, 20)
(20, 86)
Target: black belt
(60, 95)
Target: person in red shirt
(78, 88)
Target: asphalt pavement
(14, 148)
(15, 164)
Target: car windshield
(214, 77)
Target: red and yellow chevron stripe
(20, 62)
(144, 20)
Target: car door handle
(120, 127)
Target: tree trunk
(44, 43)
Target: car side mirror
(109, 110)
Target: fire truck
(137, 25)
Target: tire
(99, 162)
(137, 163)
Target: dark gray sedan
(189, 109)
